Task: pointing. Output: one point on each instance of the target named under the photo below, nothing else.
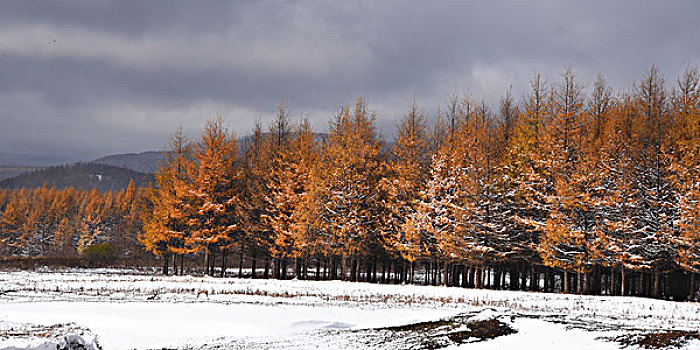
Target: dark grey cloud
(95, 77)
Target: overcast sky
(94, 77)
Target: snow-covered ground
(126, 310)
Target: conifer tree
(508, 111)
(430, 228)
(570, 227)
(346, 192)
(63, 238)
(404, 181)
(289, 186)
(257, 167)
(92, 226)
(475, 160)
(213, 206)
(165, 228)
(526, 182)
(14, 219)
(686, 171)
(656, 204)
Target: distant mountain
(80, 175)
(148, 162)
(144, 162)
(32, 160)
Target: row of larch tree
(576, 189)
(52, 223)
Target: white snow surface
(126, 310)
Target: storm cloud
(87, 78)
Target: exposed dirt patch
(657, 340)
(457, 330)
(481, 330)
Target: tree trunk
(465, 276)
(223, 263)
(332, 274)
(552, 278)
(344, 267)
(210, 262)
(691, 295)
(407, 271)
(174, 264)
(389, 269)
(426, 267)
(444, 268)
(165, 264)
(283, 269)
(276, 269)
(266, 271)
(513, 282)
(622, 281)
(334, 268)
(640, 284)
(353, 270)
(305, 272)
(428, 271)
(566, 281)
(436, 273)
(472, 276)
(595, 281)
(325, 270)
(318, 269)
(384, 270)
(488, 277)
(254, 263)
(655, 285)
(480, 277)
(374, 270)
(240, 264)
(498, 271)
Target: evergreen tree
(289, 186)
(686, 171)
(346, 192)
(404, 181)
(165, 227)
(214, 210)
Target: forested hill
(7, 172)
(144, 162)
(80, 175)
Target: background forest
(575, 189)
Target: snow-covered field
(126, 310)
